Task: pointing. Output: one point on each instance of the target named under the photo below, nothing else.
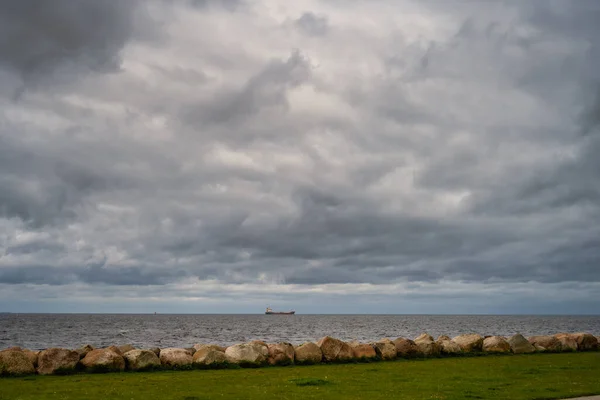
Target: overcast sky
(380, 156)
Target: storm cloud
(390, 156)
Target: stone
(83, 350)
(406, 348)
(250, 354)
(495, 344)
(209, 355)
(175, 358)
(469, 343)
(155, 350)
(539, 348)
(308, 353)
(426, 346)
(57, 361)
(190, 350)
(335, 350)
(32, 355)
(447, 346)
(520, 345)
(549, 343)
(281, 354)
(385, 349)
(115, 349)
(103, 360)
(125, 348)
(586, 341)
(567, 341)
(424, 337)
(363, 351)
(14, 363)
(199, 346)
(141, 360)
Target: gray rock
(520, 345)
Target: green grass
(536, 376)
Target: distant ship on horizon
(271, 312)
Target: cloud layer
(394, 156)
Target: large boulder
(363, 351)
(547, 342)
(15, 362)
(567, 341)
(190, 350)
(141, 360)
(249, 354)
(447, 346)
(115, 349)
(385, 349)
(209, 355)
(175, 358)
(57, 361)
(405, 348)
(469, 343)
(426, 346)
(83, 350)
(103, 360)
(520, 345)
(125, 348)
(334, 349)
(155, 350)
(586, 341)
(32, 355)
(308, 353)
(199, 346)
(495, 344)
(280, 354)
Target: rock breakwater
(16, 361)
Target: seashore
(523, 377)
(16, 361)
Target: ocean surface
(40, 331)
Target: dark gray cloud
(311, 24)
(39, 39)
(434, 157)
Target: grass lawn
(536, 376)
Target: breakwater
(19, 361)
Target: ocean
(40, 331)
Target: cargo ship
(271, 312)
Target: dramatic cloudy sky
(390, 156)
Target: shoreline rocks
(141, 360)
(546, 343)
(103, 360)
(175, 358)
(469, 343)
(16, 361)
(335, 350)
(520, 345)
(57, 361)
(495, 344)
(249, 354)
(308, 353)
